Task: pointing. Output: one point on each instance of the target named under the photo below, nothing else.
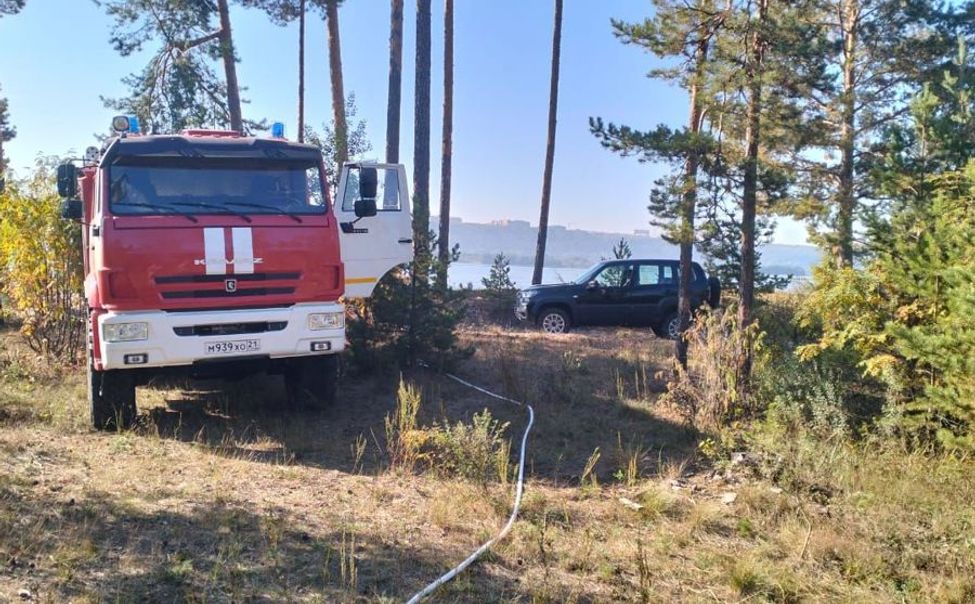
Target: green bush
(477, 451)
(41, 268)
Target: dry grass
(221, 496)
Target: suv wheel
(554, 320)
(111, 396)
(670, 327)
(312, 382)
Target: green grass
(220, 496)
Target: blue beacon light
(277, 130)
(133, 124)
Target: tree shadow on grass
(101, 549)
(572, 385)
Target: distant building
(518, 224)
(642, 232)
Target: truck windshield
(141, 185)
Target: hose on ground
(519, 490)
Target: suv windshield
(141, 185)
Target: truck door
(373, 245)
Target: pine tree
(337, 81)
(178, 88)
(686, 31)
(907, 313)
(7, 134)
(447, 150)
(11, 7)
(621, 250)
(499, 280)
(553, 110)
(357, 145)
(394, 94)
(879, 50)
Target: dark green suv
(638, 293)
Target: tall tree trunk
(395, 81)
(421, 169)
(846, 195)
(553, 105)
(749, 201)
(443, 240)
(301, 72)
(229, 57)
(421, 137)
(689, 207)
(338, 93)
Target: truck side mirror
(71, 209)
(368, 183)
(365, 207)
(67, 180)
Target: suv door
(374, 245)
(656, 283)
(602, 301)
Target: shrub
(706, 394)
(41, 268)
(404, 438)
(477, 451)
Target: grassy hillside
(222, 496)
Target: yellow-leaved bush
(41, 269)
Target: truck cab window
(387, 191)
(313, 189)
(159, 185)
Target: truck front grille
(221, 278)
(230, 329)
(219, 293)
(176, 287)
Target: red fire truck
(212, 254)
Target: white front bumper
(164, 348)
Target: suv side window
(669, 274)
(649, 274)
(615, 275)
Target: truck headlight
(318, 321)
(125, 332)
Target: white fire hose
(519, 490)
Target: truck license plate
(233, 347)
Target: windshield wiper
(265, 206)
(212, 206)
(185, 215)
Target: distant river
(463, 273)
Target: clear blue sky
(57, 62)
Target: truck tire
(312, 382)
(554, 320)
(111, 396)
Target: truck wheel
(669, 328)
(111, 396)
(312, 382)
(554, 320)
